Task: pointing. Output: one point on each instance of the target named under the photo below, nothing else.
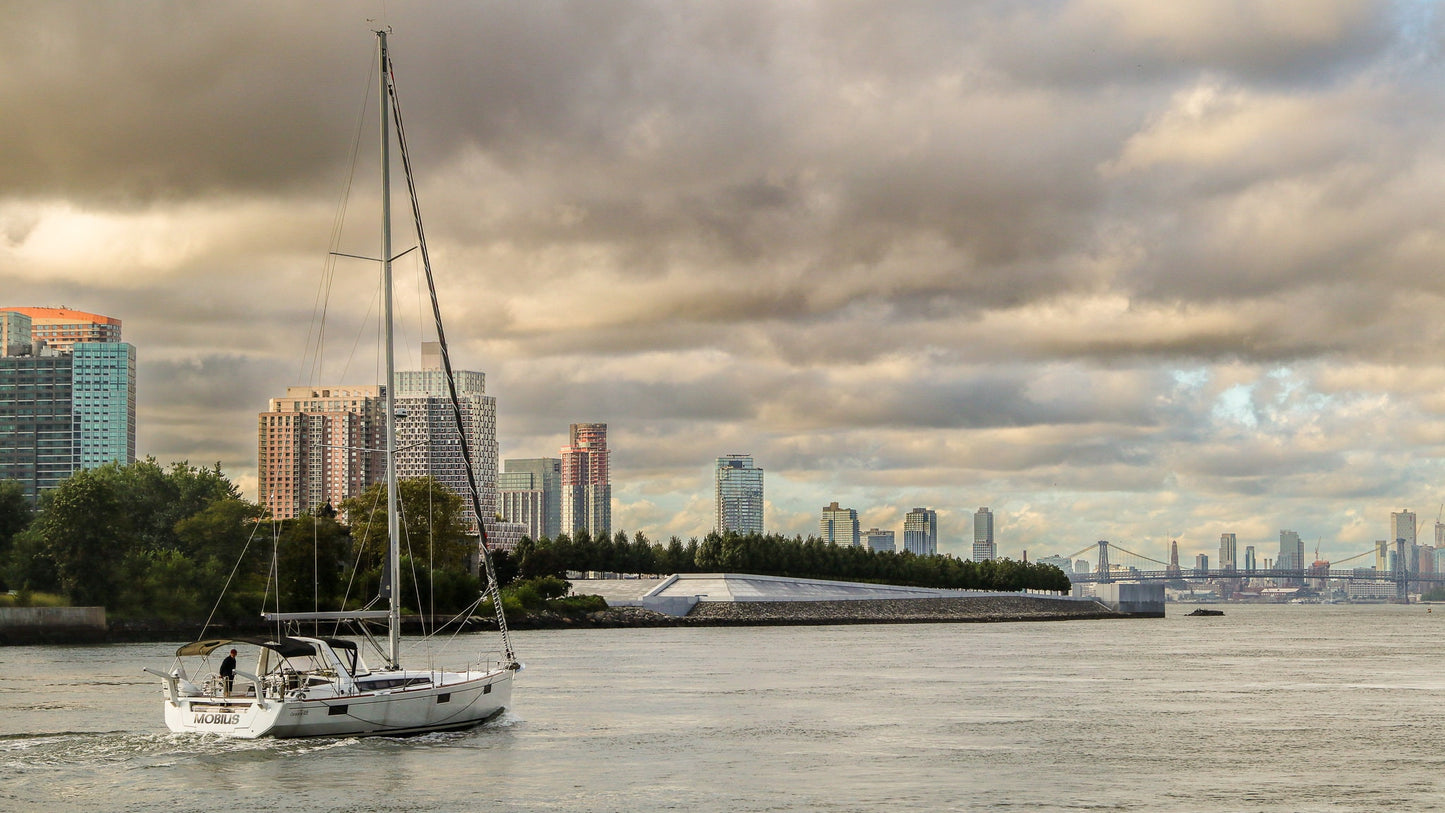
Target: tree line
(175, 543)
(776, 555)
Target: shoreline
(966, 610)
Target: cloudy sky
(1118, 269)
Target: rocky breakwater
(978, 609)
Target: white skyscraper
(426, 431)
(920, 532)
(839, 526)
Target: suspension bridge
(1111, 563)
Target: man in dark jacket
(228, 671)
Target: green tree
(126, 536)
(15, 516)
(431, 524)
(88, 531)
(311, 560)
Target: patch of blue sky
(1236, 405)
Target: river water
(1267, 708)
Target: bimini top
(283, 646)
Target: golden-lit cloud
(1116, 269)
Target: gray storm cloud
(1055, 257)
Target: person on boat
(228, 671)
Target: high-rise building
(920, 532)
(983, 543)
(530, 493)
(1201, 563)
(1402, 526)
(586, 489)
(1250, 563)
(839, 526)
(103, 398)
(61, 328)
(428, 444)
(64, 406)
(1227, 547)
(739, 493)
(879, 541)
(1291, 551)
(319, 446)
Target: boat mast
(393, 548)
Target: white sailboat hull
(458, 702)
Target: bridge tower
(1402, 572)
(1105, 575)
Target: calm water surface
(1268, 708)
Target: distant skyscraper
(1227, 547)
(839, 526)
(739, 495)
(983, 543)
(426, 431)
(1201, 563)
(67, 402)
(586, 489)
(1291, 551)
(1402, 526)
(1249, 561)
(879, 541)
(920, 532)
(530, 492)
(319, 446)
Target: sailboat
(316, 686)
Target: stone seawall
(897, 611)
(44, 625)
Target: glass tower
(739, 495)
(103, 398)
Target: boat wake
(27, 752)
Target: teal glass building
(63, 409)
(103, 402)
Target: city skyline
(1147, 271)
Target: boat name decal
(216, 719)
